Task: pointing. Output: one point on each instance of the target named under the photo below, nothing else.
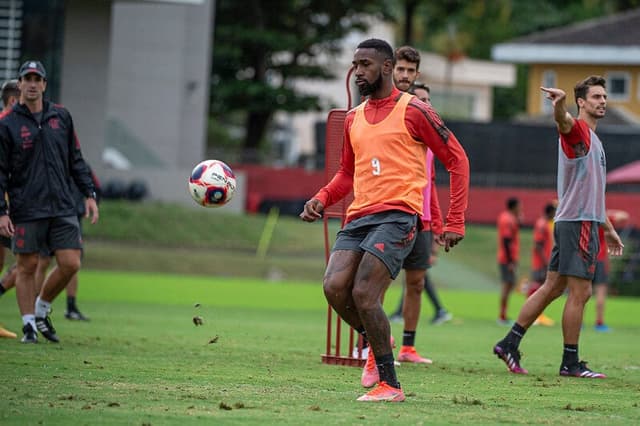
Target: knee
(415, 284)
(580, 294)
(332, 287)
(27, 264)
(363, 298)
(70, 265)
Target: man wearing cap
(39, 156)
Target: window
(618, 85)
(549, 79)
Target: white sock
(29, 319)
(42, 308)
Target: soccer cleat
(441, 317)
(30, 335)
(544, 320)
(383, 392)
(396, 317)
(75, 315)
(7, 334)
(370, 374)
(45, 328)
(511, 357)
(580, 369)
(602, 328)
(409, 354)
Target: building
(560, 57)
(133, 73)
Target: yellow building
(561, 57)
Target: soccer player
(406, 70)
(40, 154)
(581, 211)
(508, 225)
(541, 254)
(10, 95)
(384, 163)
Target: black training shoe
(75, 315)
(510, 356)
(46, 329)
(581, 370)
(441, 317)
(30, 335)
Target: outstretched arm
(558, 98)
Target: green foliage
(261, 46)
(256, 361)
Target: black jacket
(38, 162)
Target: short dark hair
(409, 54)
(379, 45)
(581, 88)
(417, 85)
(9, 88)
(550, 209)
(512, 202)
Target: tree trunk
(256, 126)
(409, 11)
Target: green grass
(142, 361)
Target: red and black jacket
(38, 163)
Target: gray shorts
(601, 276)
(389, 236)
(539, 275)
(47, 235)
(576, 248)
(506, 275)
(421, 253)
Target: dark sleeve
(5, 158)
(78, 167)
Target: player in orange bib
(384, 162)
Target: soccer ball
(212, 183)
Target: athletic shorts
(539, 275)
(506, 275)
(389, 236)
(50, 234)
(5, 241)
(45, 251)
(421, 253)
(576, 248)
(601, 275)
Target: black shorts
(421, 254)
(576, 248)
(506, 275)
(601, 275)
(5, 241)
(389, 236)
(47, 235)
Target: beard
(367, 88)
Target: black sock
(432, 294)
(408, 338)
(387, 370)
(361, 331)
(71, 303)
(2, 290)
(515, 335)
(570, 355)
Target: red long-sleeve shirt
(425, 125)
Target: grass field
(141, 361)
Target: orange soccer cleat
(6, 333)
(383, 392)
(409, 354)
(370, 372)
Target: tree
(261, 46)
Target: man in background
(508, 225)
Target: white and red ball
(212, 183)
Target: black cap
(32, 67)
